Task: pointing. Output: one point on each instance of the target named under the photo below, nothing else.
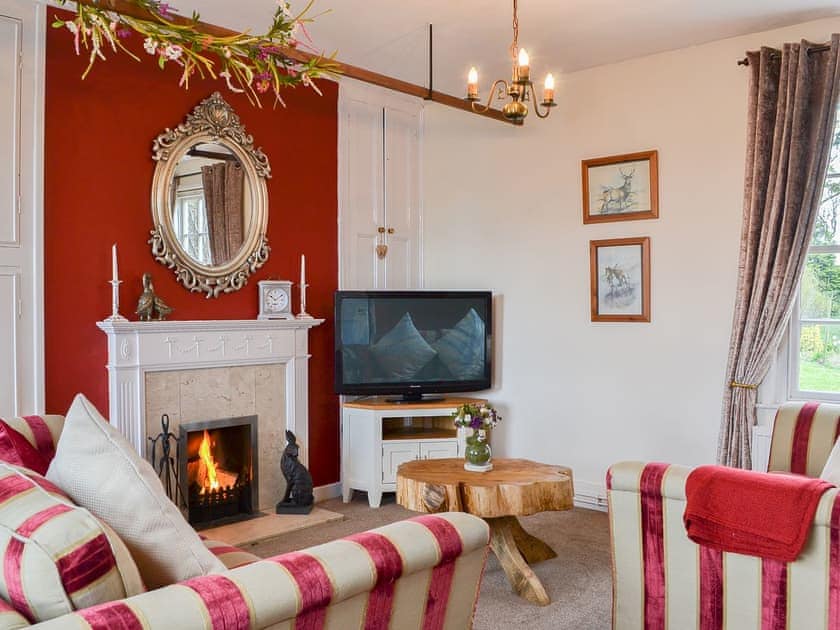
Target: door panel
(402, 198)
(9, 331)
(394, 454)
(21, 208)
(362, 209)
(10, 54)
(438, 450)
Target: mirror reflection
(208, 197)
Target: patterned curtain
(223, 197)
(792, 103)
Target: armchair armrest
(427, 567)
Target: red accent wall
(98, 174)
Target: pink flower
(165, 10)
(124, 32)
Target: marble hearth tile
(162, 397)
(271, 412)
(242, 390)
(205, 394)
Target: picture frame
(621, 187)
(619, 278)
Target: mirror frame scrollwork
(212, 120)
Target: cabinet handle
(390, 230)
(380, 230)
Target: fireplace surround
(204, 369)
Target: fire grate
(218, 466)
(225, 503)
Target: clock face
(276, 300)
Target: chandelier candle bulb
(524, 73)
(472, 84)
(548, 91)
(114, 272)
(302, 270)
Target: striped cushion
(56, 556)
(803, 436)
(39, 432)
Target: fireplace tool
(166, 468)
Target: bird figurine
(149, 303)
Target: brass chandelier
(520, 90)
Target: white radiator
(761, 436)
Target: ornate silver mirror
(209, 200)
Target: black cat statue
(298, 498)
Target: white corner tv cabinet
(377, 436)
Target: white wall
(503, 211)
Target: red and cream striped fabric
(230, 556)
(803, 436)
(421, 573)
(661, 579)
(39, 432)
(56, 556)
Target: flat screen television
(412, 343)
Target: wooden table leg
(506, 535)
(533, 549)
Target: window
(815, 325)
(190, 223)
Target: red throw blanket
(751, 513)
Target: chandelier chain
(515, 44)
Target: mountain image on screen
(404, 341)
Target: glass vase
(477, 453)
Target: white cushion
(831, 470)
(101, 471)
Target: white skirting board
(324, 493)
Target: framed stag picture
(620, 279)
(621, 187)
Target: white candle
(114, 263)
(302, 270)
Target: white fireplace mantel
(135, 348)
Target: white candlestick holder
(303, 314)
(115, 302)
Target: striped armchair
(423, 572)
(661, 579)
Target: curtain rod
(822, 48)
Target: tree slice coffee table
(515, 487)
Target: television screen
(412, 342)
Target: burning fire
(211, 481)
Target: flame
(211, 483)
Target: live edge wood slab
(515, 487)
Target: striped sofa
(423, 572)
(661, 579)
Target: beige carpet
(578, 580)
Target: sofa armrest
(429, 565)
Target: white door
(361, 193)
(394, 453)
(438, 450)
(21, 304)
(379, 189)
(402, 197)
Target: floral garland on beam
(254, 65)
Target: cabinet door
(395, 453)
(361, 185)
(402, 197)
(438, 450)
(21, 304)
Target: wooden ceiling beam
(345, 69)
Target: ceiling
(390, 36)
